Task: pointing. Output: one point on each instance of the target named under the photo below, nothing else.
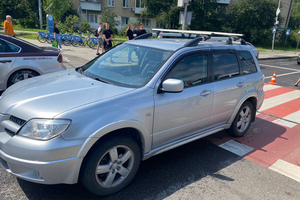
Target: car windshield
(127, 65)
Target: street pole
(273, 41)
(285, 42)
(40, 14)
(184, 15)
(297, 45)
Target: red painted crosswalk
(273, 140)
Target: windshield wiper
(98, 79)
(80, 71)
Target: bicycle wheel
(48, 40)
(67, 42)
(93, 45)
(87, 43)
(75, 44)
(40, 39)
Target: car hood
(49, 95)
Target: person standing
(129, 32)
(100, 40)
(108, 35)
(142, 30)
(57, 35)
(136, 30)
(8, 26)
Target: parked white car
(21, 60)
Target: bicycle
(42, 37)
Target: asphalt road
(199, 170)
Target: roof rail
(193, 42)
(144, 36)
(199, 32)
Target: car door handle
(240, 84)
(5, 61)
(205, 93)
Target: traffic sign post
(287, 34)
(298, 42)
(274, 32)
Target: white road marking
(279, 99)
(236, 147)
(287, 169)
(294, 117)
(270, 87)
(284, 123)
(283, 74)
(279, 67)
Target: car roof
(176, 44)
(25, 46)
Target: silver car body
(96, 109)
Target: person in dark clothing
(142, 30)
(136, 30)
(56, 35)
(107, 35)
(129, 32)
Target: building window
(111, 3)
(92, 19)
(125, 21)
(139, 4)
(146, 22)
(125, 3)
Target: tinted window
(192, 71)
(247, 62)
(7, 47)
(225, 65)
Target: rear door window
(247, 62)
(6, 47)
(191, 70)
(225, 65)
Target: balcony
(94, 5)
(223, 1)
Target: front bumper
(53, 172)
(49, 162)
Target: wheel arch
(252, 98)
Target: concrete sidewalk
(277, 55)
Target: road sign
(274, 29)
(288, 32)
(188, 18)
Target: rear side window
(6, 47)
(247, 62)
(225, 65)
(192, 70)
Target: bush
(114, 30)
(122, 32)
(85, 26)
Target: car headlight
(44, 129)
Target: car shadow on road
(165, 174)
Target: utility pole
(40, 14)
(184, 15)
(276, 23)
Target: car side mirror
(172, 86)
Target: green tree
(109, 17)
(71, 20)
(59, 8)
(252, 18)
(294, 22)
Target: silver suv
(144, 97)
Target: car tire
(242, 120)
(120, 159)
(21, 75)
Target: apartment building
(128, 11)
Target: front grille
(9, 132)
(17, 120)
